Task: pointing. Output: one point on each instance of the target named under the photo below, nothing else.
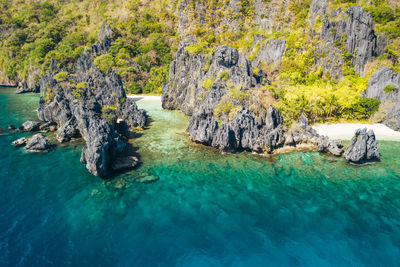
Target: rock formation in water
(36, 143)
(92, 105)
(218, 92)
(363, 148)
(30, 126)
(384, 85)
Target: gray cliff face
(24, 88)
(360, 39)
(270, 52)
(317, 8)
(248, 126)
(184, 89)
(92, 105)
(351, 30)
(363, 148)
(384, 85)
(379, 80)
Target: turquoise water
(298, 209)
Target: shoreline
(145, 97)
(341, 131)
(345, 131)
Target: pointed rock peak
(54, 66)
(105, 32)
(303, 121)
(317, 8)
(274, 118)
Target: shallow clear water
(297, 209)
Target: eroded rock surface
(363, 148)
(38, 143)
(384, 85)
(355, 28)
(24, 88)
(90, 104)
(31, 126)
(218, 93)
(20, 142)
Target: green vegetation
(77, 93)
(104, 63)
(34, 33)
(223, 75)
(297, 85)
(61, 76)
(81, 86)
(389, 88)
(48, 95)
(146, 40)
(105, 107)
(207, 84)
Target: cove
(207, 209)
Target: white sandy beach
(345, 131)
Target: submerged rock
(148, 179)
(11, 127)
(124, 163)
(38, 143)
(363, 148)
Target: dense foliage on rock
(32, 33)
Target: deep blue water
(297, 209)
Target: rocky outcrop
(186, 87)
(38, 143)
(20, 142)
(270, 52)
(356, 29)
(5, 81)
(363, 148)
(23, 88)
(90, 104)
(330, 60)
(30, 126)
(306, 135)
(317, 10)
(381, 79)
(384, 85)
(350, 30)
(217, 92)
